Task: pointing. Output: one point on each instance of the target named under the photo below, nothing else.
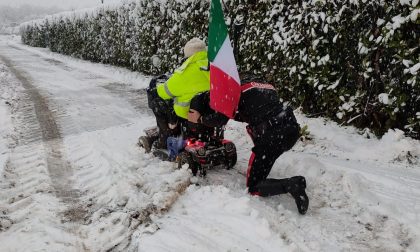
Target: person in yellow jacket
(191, 78)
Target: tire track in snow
(60, 170)
(121, 193)
(120, 187)
(136, 98)
(127, 199)
(39, 148)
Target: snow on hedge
(333, 58)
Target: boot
(294, 185)
(296, 188)
(146, 142)
(161, 141)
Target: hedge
(354, 61)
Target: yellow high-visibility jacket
(187, 81)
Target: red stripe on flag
(224, 92)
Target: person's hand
(193, 116)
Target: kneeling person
(273, 129)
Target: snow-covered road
(73, 179)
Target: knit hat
(193, 46)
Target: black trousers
(269, 143)
(164, 114)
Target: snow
(384, 98)
(362, 48)
(398, 21)
(407, 63)
(117, 74)
(364, 192)
(227, 225)
(414, 69)
(5, 127)
(7, 102)
(380, 22)
(334, 85)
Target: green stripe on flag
(217, 29)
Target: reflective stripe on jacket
(187, 81)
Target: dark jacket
(258, 103)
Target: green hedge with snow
(355, 61)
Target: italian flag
(225, 86)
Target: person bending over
(170, 101)
(273, 129)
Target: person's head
(193, 46)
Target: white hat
(193, 46)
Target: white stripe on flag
(225, 60)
